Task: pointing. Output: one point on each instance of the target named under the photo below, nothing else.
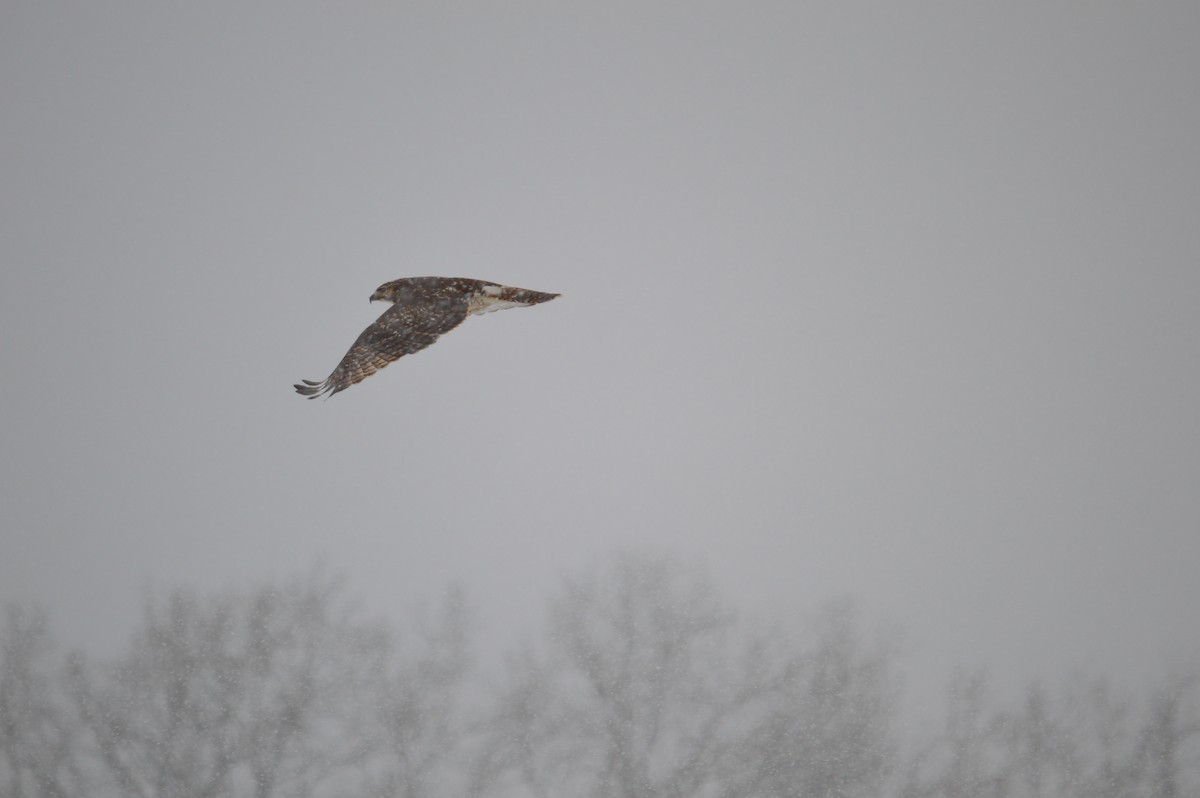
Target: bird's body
(423, 308)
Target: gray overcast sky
(900, 300)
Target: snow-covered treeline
(643, 682)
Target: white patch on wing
(486, 305)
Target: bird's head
(384, 293)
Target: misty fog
(642, 681)
(858, 456)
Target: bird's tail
(497, 297)
(523, 296)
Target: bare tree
(828, 730)
(644, 685)
(648, 686)
(1086, 742)
(1169, 754)
(243, 694)
(1041, 747)
(632, 692)
(419, 721)
(1034, 750)
(963, 760)
(39, 755)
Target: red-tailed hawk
(422, 309)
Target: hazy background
(900, 301)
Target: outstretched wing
(400, 331)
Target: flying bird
(422, 309)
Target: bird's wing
(401, 330)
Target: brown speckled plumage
(423, 308)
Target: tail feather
(493, 297)
(523, 296)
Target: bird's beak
(375, 296)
